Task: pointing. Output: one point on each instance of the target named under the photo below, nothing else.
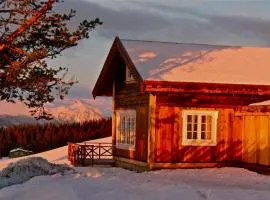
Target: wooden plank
(164, 133)
(151, 130)
(113, 117)
(125, 153)
(237, 138)
(250, 144)
(187, 165)
(141, 133)
(224, 150)
(179, 121)
(131, 161)
(168, 136)
(262, 129)
(268, 145)
(230, 146)
(176, 134)
(157, 136)
(206, 100)
(212, 88)
(201, 154)
(219, 151)
(187, 153)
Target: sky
(239, 22)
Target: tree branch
(27, 24)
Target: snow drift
(25, 169)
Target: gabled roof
(186, 65)
(103, 86)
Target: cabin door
(167, 134)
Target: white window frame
(129, 76)
(199, 141)
(122, 140)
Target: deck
(90, 153)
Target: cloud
(122, 20)
(189, 22)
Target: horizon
(210, 22)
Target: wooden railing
(83, 153)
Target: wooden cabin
(181, 105)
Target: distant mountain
(75, 111)
(8, 120)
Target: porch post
(151, 130)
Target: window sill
(125, 146)
(199, 143)
(130, 81)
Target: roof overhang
(248, 93)
(200, 87)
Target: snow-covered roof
(179, 62)
(20, 149)
(263, 103)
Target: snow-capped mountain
(72, 111)
(76, 111)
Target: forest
(43, 137)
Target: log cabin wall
(169, 148)
(243, 135)
(128, 96)
(140, 104)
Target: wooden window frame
(129, 79)
(199, 141)
(125, 122)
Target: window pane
(189, 118)
(122, 130)
(195, 118)
(203, 135)
(128, 131)
(189, 127)
(195, 135)
(208, 135)
(126, 122)
(209, 119)
(132, 127)
(209, 124)
(203, 118)
(195, 126)
(189, 135)
(203, 127)
(199, 127)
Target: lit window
(125, 129)
(129, 77)
(199, 127)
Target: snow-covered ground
(58, 156)
(116, 183)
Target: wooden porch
(90, 153)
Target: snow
(25, 169)
(57, 156)
(180, 62)
(115, 183)
(20, 149)
(263, 103)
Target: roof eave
(202, 87)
